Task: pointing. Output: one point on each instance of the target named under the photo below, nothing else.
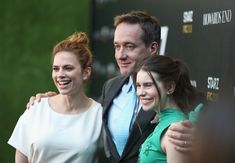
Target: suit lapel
(142, 121)
(113, 90)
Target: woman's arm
(172, 154)
(181, 135)
(20, 157)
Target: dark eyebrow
(124, 43)
(67, 65)
(147, 83)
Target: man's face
(129, 47)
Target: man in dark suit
(136, 37)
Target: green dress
(151, 151)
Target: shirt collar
(128, 85)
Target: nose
(141, 92)
(61, 73)
(122, 53)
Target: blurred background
(29, 30)
(201, 32)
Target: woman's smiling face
(67, 73)
(150, 95)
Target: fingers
(38, 98)
(181, 135)
(50, 94)
(187, 123)
(183, 149)
(182, 146)
(180, 143)
(184, 127)
(31, 102)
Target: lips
(63, 83)
(124, 65)
(146, 101)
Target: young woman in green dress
(163, 85)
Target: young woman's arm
(172, 154)
(20, 157)
(181, 135)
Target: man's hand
(38, 98)
(181, 134)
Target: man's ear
(170, 87)
(154, 48)
(86, 73)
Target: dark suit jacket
(141, 128)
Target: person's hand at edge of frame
(181, 135)
(38, 97)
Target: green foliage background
(29, 30)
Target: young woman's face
(67, 73)
(147, 91)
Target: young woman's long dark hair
(170, 70)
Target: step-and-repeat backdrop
(202, 33)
